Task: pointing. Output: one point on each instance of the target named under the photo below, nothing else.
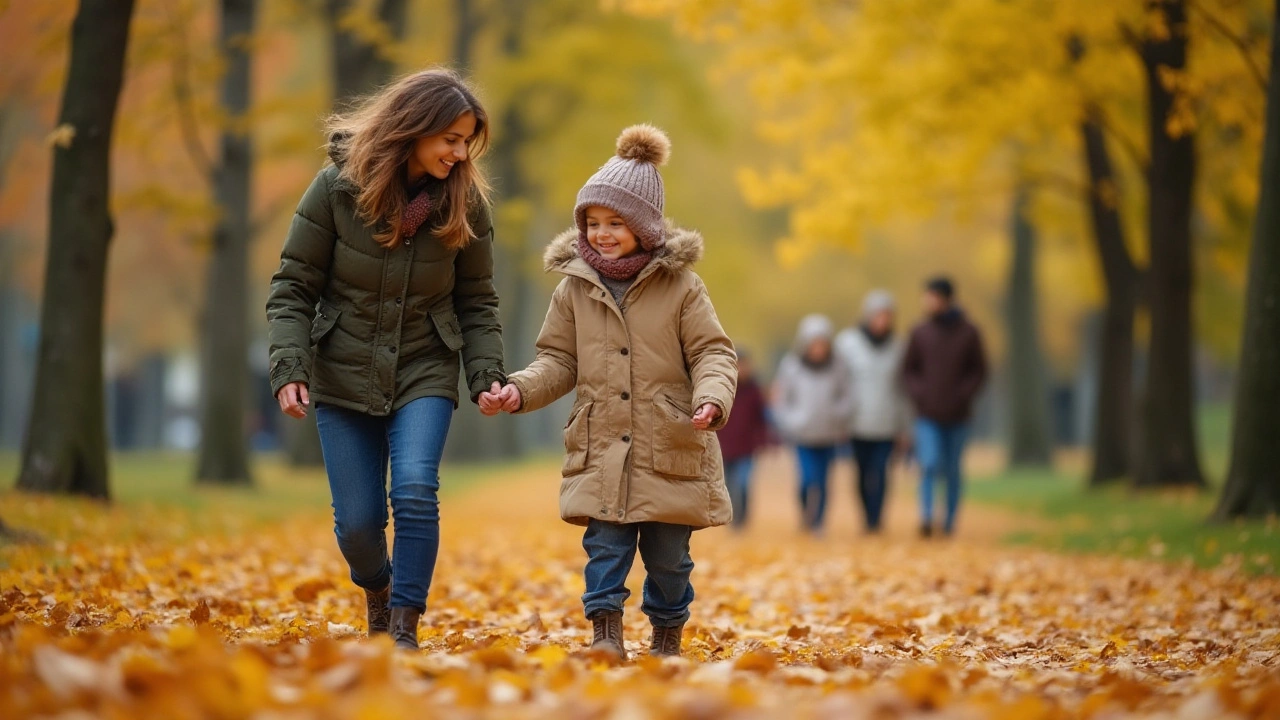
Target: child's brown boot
(666, 641)
(607, 636)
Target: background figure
(812, 403)
(881, 414)
(943, 371)
(742, 436)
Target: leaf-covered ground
(138, 616)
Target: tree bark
(224, 446)
(359, 67)
(1114, 412)
(65, 450)
(1253, 482)
(1029, 439)
(1169, 455)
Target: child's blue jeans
(664, 549)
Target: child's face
(608, 234)
(436, 155)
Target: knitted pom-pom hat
(630, 185)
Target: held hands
(294, 399)
(500, 398)
(705, 416)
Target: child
(632, 330)
(812, 405)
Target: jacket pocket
(677, 445)
(577, 438)
(325, 321)
(448, 327)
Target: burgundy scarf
(623, 268)
(415, 213)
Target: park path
(264, 624)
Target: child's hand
(706, 415)
(510, 397)
(491, 402)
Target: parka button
(624, 351)
(619, 513)
(626, 396)
(399, 300)
(626, 438)
(393, 349)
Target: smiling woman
(386, 275)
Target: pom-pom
(644, 143)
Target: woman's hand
(500, 398)
(294, 399)
(705, 416)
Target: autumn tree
(1030, 443)
(1169, 455)
(1253, 481)
(65, 450)
(224, 447)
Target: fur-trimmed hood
(683, 249)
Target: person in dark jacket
(386, 276)
(742, 437)
(943, 370)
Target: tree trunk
(225, 378)
(359, 67)
(1029, 441)
(1114, 411)
(1253, 482)
(1169, 455)
(66, 443)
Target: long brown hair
(378, 135)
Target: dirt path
(784, 625)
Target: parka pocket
(577, 438)
(678, 446)
(448, 327)
(325, 321)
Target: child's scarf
(623, 268)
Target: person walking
(881, 414)
(943, 370)
(811, 408)
(386, 276)
(746, 432)
(632, 331)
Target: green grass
(1064, 514)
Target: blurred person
(386, 274)
(811, 408)
(881, 416)
(632, 330)
(745, 433)
(943, 370)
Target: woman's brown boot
(404, 627)
(378, 611)
(607, 632)
(666, 641)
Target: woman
(386, 274)
(881, 416)
(811, 410)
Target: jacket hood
(338, 147)
(682, 250)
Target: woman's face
(435, 155)
(608, 234)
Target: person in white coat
(881, 415)
(812, 402)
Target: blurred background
(1086, 172)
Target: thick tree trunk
(1253, 482)
(1169, 455)
(1114, 411)
(224, 446)
(359, 67)
(66, 443)
(1029, 437)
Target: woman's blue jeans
(357, 451)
